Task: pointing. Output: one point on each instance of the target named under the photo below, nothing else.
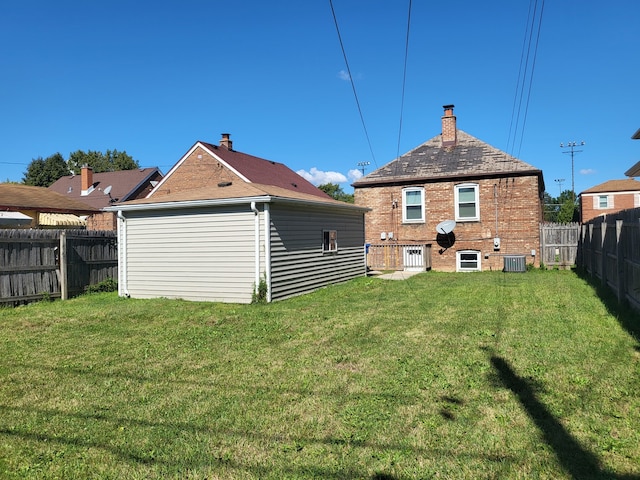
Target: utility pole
(572, 151)
(362, 166)
(559, 181)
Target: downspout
(122, 254)
(267, 249)
(256, 254)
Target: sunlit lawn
(459, 376)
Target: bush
(107, 285)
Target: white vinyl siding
(413, 205)
(467, 203)
(191, 254)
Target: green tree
(111, 161)
(42, 173)
(335, 191)
(562, 209)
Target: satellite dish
(446, 227)
(107, 190)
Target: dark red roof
(265, 172)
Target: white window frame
(598, 201)
(603, 202)
(476, 201)
(459, 266)
(329, 241)
(405, 205)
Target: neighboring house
(224, 226)
(635, 170)
(24, 206)
(494, 199)
(609, 197)
(101, 190)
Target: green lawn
(457, 376)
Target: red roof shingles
(265, 172)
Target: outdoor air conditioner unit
(514, 263)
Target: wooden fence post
(622, 288)
(64, 284)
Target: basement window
(468, 261)
(329, 241)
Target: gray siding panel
(193, 254)
(298, 264)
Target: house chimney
(86, 178)
(226, 141)
(449, 135)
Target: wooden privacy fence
(397, 256)
(610, 250)
(559, 244)
(37, 264)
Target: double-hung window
(603, 201)
(413, 205)
(467, 202)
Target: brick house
(93, 189)
(474, 204)
(609, 197)
(39, 207)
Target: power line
(523, 75)
(404, 78)
(353, 86)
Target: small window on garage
(330, 241)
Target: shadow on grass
(628, 318)
(574, 458)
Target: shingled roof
(449, 156)
(125, 184)
(232, 193)
(625, 185)
(249, 168)
(14, 197)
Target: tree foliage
(111, 161)
(42, 173)
(335, 191)
(561, 209)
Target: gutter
(256, 242)
(122, 254)
(267, 249)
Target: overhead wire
(525, 77)
(533, 67)
(353, 86)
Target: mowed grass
(460, 376)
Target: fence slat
(30, 262)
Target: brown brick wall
(102, 221)
(199, 169)
(621, 201)
(518, 207)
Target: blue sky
(153, 78)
